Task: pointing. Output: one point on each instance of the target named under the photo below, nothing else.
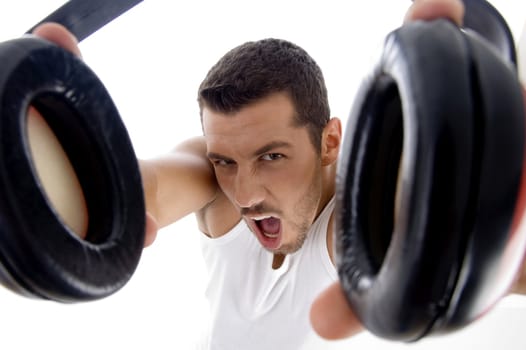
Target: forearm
(519, 287)
(56, 174)
(175, 185)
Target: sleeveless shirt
(254, 306)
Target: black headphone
(39, 255)
(427, 182)
(429, 177)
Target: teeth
(271, 235)
(259, 218)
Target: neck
(328, 186)
(277, 261)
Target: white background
(152, 60)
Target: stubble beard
(305, 214)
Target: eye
(272, 156)
(221, 162)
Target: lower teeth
(270, 235)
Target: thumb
(150, 230)
(58, 34)
(331, 315)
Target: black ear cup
(39, 255)
(483, 19)
(428, 180)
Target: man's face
(268, 168)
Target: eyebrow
(264, 149)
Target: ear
(330, 142)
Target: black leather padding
(39, 255)
(427, 182)
(487, 22)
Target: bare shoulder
(218, 217)
(183, 182)
(178, 183)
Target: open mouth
(268, 230)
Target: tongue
(270, 225)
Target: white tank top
(256, 307)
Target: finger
(519, 285)
(59, 35)
(150, 230)
(432, 9)
(331, 316)
(521, 53)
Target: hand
(150, 230)
(331, 315)
(433, 9)
(59, 35)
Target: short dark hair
(256, 69)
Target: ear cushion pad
(427, 182)
(482, 18)
(39, 256)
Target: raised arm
(176, 184)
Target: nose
(248, 189)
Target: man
(261, 182)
